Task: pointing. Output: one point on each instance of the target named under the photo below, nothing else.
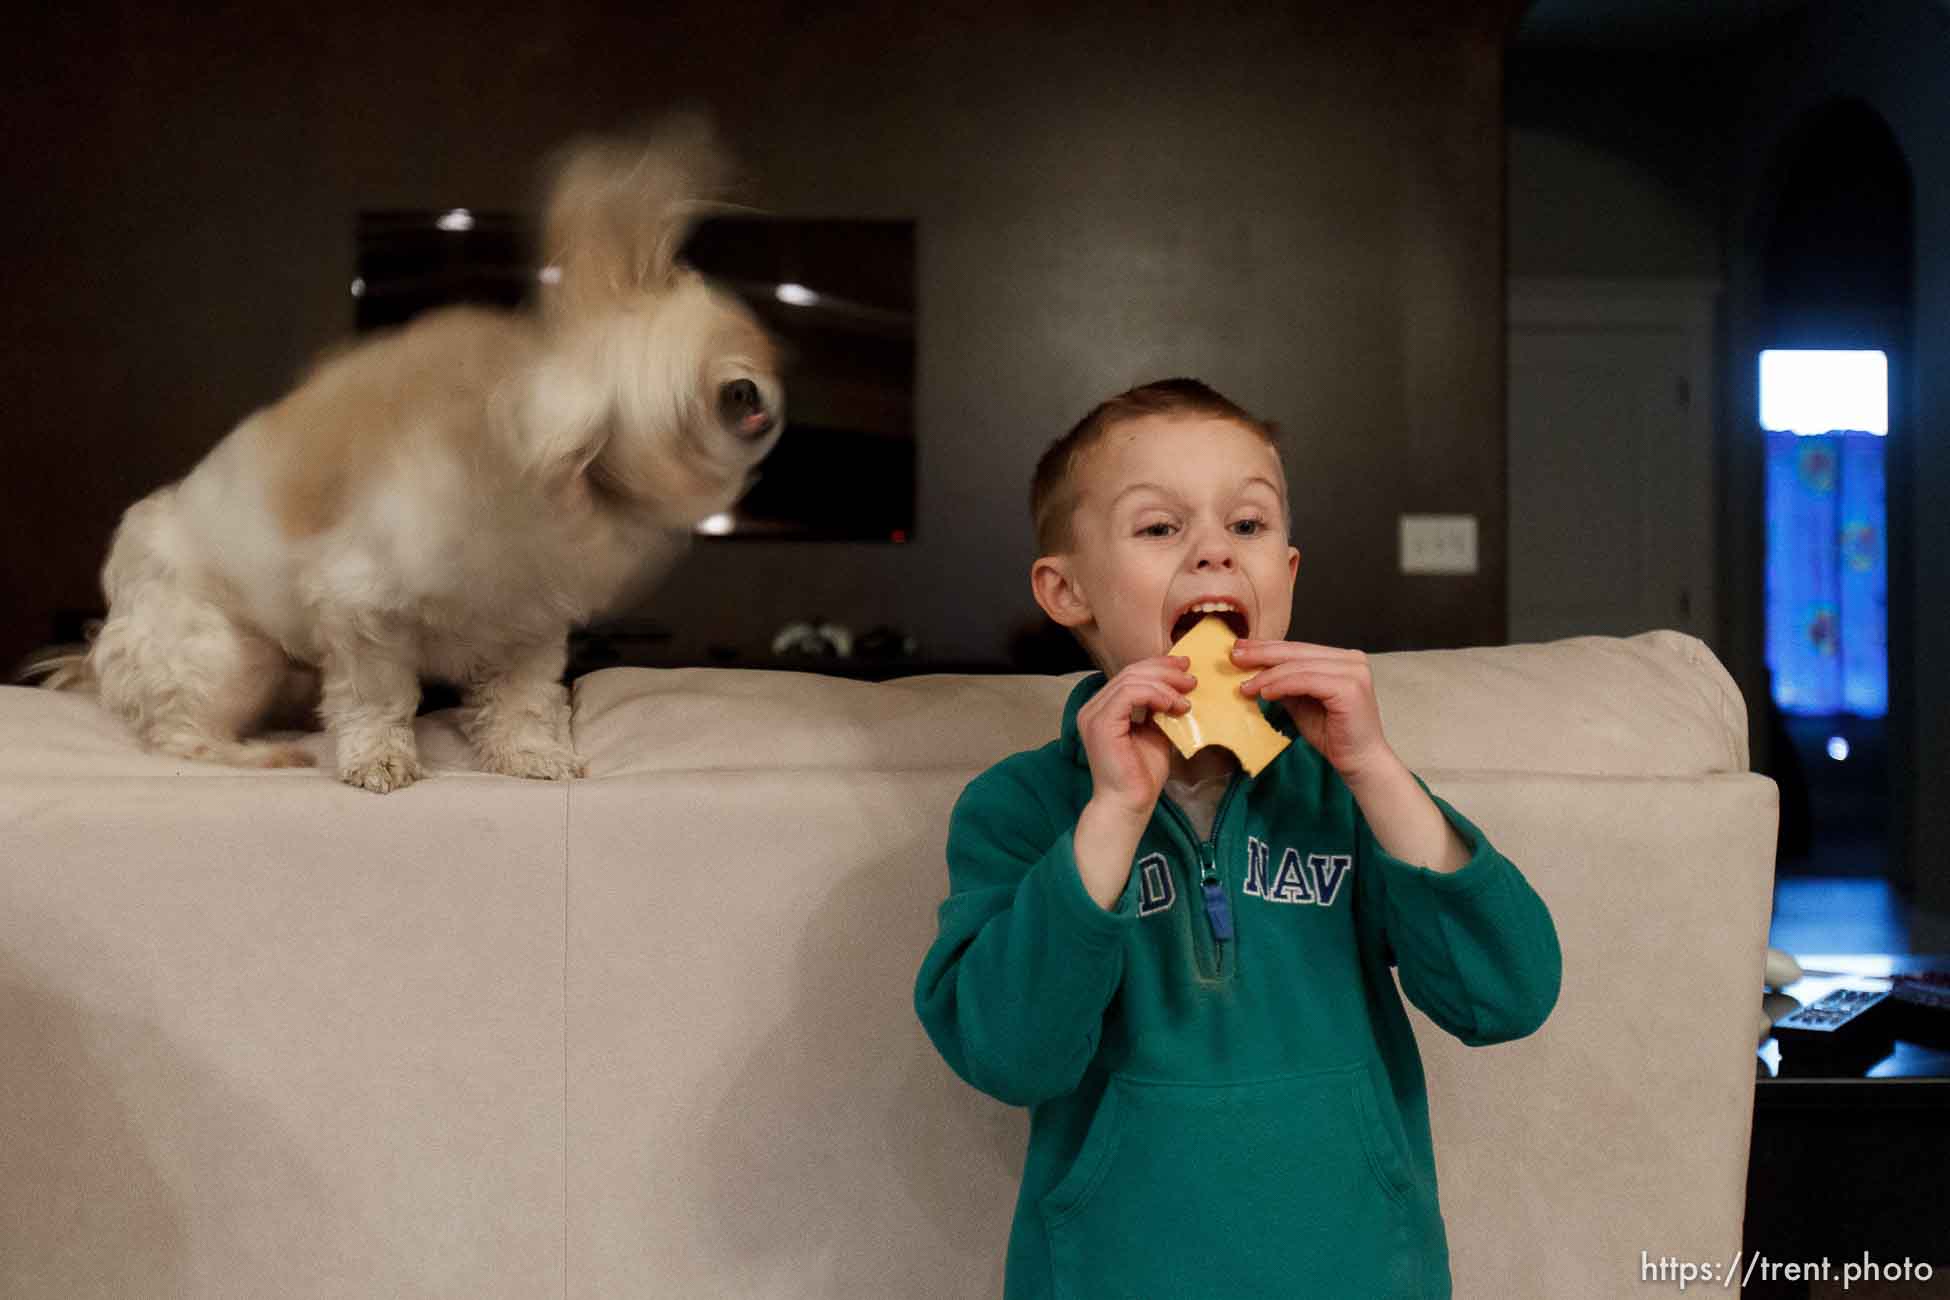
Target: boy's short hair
(1052, 492)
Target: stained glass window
(1826, 414)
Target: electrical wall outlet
(1438, 543)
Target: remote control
(1920, 1004)
(1842, 1021)
(1928, 989)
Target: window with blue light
(1826, 415)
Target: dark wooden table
(1851, 1156)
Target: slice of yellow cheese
(1220, 715)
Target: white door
(1610, 458)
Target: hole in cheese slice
(1220, 715)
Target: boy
(1192, 992)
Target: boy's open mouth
(1228, 611)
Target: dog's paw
(551, 763)
(390, 769)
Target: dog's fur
(447, 500)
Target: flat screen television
(837, 295)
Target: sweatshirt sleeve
(1014, 989)
(1475, 948)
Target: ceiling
(1645, 24)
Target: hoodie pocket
(1280, 1187)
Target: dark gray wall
(1302, 205)
(1616, 162)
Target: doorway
(1834, 335)
(1610, 457)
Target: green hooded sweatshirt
(1225, 1094)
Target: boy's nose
(1214, 551)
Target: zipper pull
(1218, 908)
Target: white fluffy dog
(447, 500)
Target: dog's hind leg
(172, 663)
(190, 682)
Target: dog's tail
(62, 667)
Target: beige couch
(650, 1034)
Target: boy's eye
(1249, 527)
(1157, 528)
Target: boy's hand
(1330, 696)
(1130, 758)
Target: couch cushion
(630, 721)
(1658, 704)
(754, 1109)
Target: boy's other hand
(1129, 758)
(1330, 696)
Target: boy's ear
(1054, 583)
(1292, 563)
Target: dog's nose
(742, 408)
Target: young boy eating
(1183, 970)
